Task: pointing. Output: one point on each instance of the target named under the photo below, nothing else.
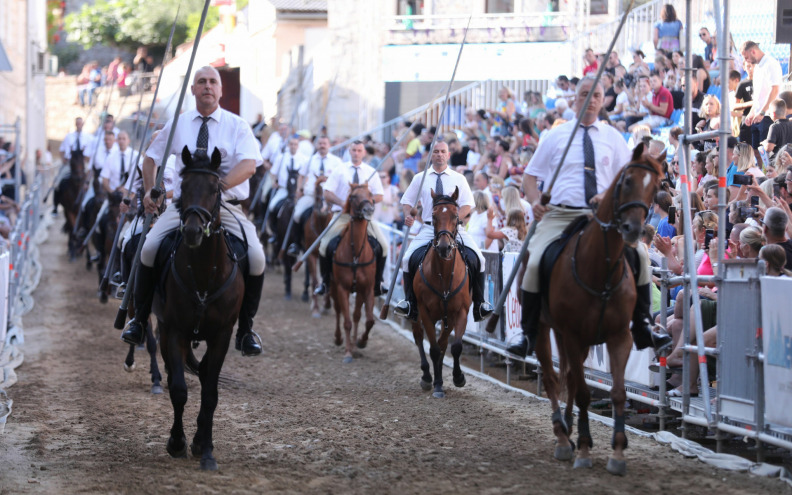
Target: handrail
(479, 20)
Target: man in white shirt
(276, 145)
(596, 157)
(321, 164)
(442, 180)
(305, 147)
(208, 127)
(766, 83)
(77, 140)
(119, 163)
(286, 176)
(106, 146)
(336, 192)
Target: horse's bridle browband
(207, 217)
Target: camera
(743, 180)
(708, 235)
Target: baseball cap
(304, 133)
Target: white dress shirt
(338, 182)
(112, 167)
(102, 154)
(305, 148)
(70, 142)
(610, 154)
(286, 163)
(275, 146)
(449, 178)
(227, 132)
(767, 73)
(312, 169)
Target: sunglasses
(701, 35)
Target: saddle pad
(554, 250)
(417, 258)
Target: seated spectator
(481, 183)
(503, 114)
(473, 155)
(563, 89)
(458, 154)
(563, 111)
(746, 160)
(511, 200)
(609, 100)
(780, 132)
(591, 62)
(710, 121)
(657, 100)
(639, 68)
(775, 224)
(663, 202)
(775, 258)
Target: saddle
(171, 243)
(468, 255)
(554, 250)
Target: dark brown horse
(314, 226)
(590, 301)
(354, 267)
(68, 195)
(104, 235)
(442, 292)
(204, 288)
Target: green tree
(131, 23)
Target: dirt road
(298, 421)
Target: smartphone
(708, 235)
(671, 215)
(743, 180)
(748, 212)
(754, 201)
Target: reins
(355, 264)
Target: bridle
(619, 208)
(207, 218)
(357, 206)
(438, 234)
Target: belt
(234, 202)
(428, 223)
(567, 207)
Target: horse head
(634, 192)
(77, 163)
(445, 219)
(360, 204)
(201, 190)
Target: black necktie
(321, 167)
(203, 135)
(123, 167)
(78, 142)
(589, 166)
(356, 178)
(439, 185)
(291, 165)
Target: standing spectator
(124, 72)
(766, 82)
(709, 48)
(82, 83)
(591, 62)
(780, 133)
(94, 81)
(744, 101)
(667, 31)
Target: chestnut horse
(314, 226)
(354, 266)
(204, 287)
(443, 294)
(590, 301)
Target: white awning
(5, 64)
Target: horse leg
(356, 316)
(435, 352)
(129, 362)
(306, 283)
(418, 335)
(338, 311)
(544, 354)
(363, 341)
(209, 373)
(287, 277)
(173, 354)
(582, 399)
(316, 311)
(619, 350)
(343, 297)
(456, 348)
(151, 347)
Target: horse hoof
(103, 298)
(173, 452)
(156, 389)
(208, 464)
(616, 467)
(129, 368)
(338, 342)
(564, 453)
(426, 386)
(195, 449)
(348, 359)
(304, 297)
(316, 314)
(438, 395)
(582, 463)
(460, 382)
(362, 344)
(287, 297)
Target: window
(409, 7)
(500, 6)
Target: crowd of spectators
(128, 76)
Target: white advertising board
(777, 345)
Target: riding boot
(294, 248)
(481, 308)
(145, 285)
(531, 309)
(642, 328)
(247, 340)
(326, 268)
(408, 307)
(378, 288)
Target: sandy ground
(297, 421)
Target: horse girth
(447, 294)
(355, 264)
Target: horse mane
(353, 188)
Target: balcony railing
(484, 28)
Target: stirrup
(321, 290)
(402, 308)
(293, 250)
(483, 311)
